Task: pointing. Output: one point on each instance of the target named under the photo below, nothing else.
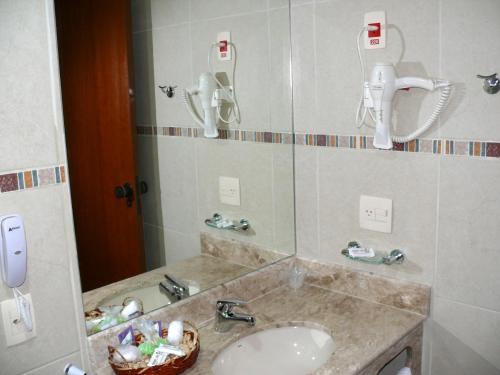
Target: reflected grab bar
(218, 222)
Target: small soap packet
(157, 325)
(162, 353)
(126, 336)
(361, 252)
(159, 357)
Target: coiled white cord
(191, 108)
(443, 102)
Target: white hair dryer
(213, 94)
(205, 90)
(377, 99)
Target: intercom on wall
(13, 250)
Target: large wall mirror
(180, 146)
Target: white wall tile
(27, 130)
(409, 180)
(306, 201)
(249, 33)
(149, 172)
(58, 365)
(205, 9)
(169, 12)
(252, 163)
(303, 69)
(468, 232)
(283, 198)
(465, 339)
(181, 246)
(154, 246)
(172, 67)
(469, 30)
(280, 89)
(177, 170)
(144, 80)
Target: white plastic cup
(296, 277)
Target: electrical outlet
(229, 190)
(375, 214)
(15, 331)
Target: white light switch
(15, 331)
(229, 190)
(375, 214)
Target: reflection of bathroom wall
(445, 206)
(171, 42)
(32, 142)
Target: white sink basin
(293, 350)
(150, 296)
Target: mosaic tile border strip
(233, 135)
(360, 142)
(32, 178)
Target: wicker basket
(173, 366)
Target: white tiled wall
(182, 172)
(445, 208)
(31, 135)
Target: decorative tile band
(360, 142)
(32, 178)
(234, 135)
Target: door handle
(125, 191)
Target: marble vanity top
(361, 330)
(205, 270)
(371, 318)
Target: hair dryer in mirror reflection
(218, 100)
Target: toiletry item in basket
(126, 336)
(175, 333)
(162, 353)
(174, 350)
(151, 332)
(158, 326)
(131, 310)
(126, 353)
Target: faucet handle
(228, 304)
(491, 83)
(176, 282)
(494, 75)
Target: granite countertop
(362, 330)
(205, 270)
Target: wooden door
(94, 38)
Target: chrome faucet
(225, 317)
(174, 288)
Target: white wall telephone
(13, 259)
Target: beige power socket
(15, 331)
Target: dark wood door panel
(95, 62)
